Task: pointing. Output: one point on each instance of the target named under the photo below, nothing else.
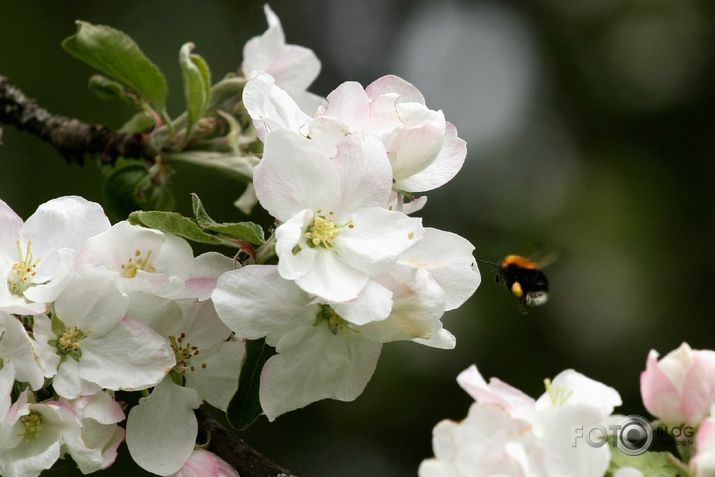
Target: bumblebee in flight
(523, 278)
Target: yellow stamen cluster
(323, 231)
(335, 322)
(184, 352)
(68, 342)
(138, 262)
(23, 271)
(32, 423)
(557, 395)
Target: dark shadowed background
(591, 133)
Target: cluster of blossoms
(88, 310)
(354, 271)
(99, 320)
(507, 433)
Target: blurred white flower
(203, 463)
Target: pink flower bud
(680, 388)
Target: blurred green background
(591, 134)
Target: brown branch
(72, 138)
(234, 450)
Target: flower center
(139, 261)
(323, 231)
(23, 271)
(557, 395)
(328, 315)
(184, 352)
(32, 423)
(67, 343)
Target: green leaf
(119, 188)
(651, 464)
(197, 84)
(174, 223)
(116, 55)
(248, 231)
(245, 406)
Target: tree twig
(72, 138)
(234, 450)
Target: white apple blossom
(208, 363)
(335, 234)
(92, 345)
(203, 463)
(326, 350)
(37, 257)
(543, 444)
(150, 261)
(294, 67)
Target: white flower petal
(18, 348)
(162, 429)
(295, 174)
(394, 84)
(53, 274)
(295, 258)
(314, 364)
(10, 225)
(206, 269)
(130, 357)
(348, 103)
(91, 302)
(378, 237)
(271, 107)
(65, 222)
(254, 301)
(203, 463)
(332, 279)
(217, 382)
(365, 174)
(447, 257)
(68, 383)
(373, 304)
(444, 167)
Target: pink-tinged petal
(447, 257)
(202, 278)
(272, 108)
(332, 279)
(348, 103)
(413, 150)
(373, 304)
(295, 258)
(203, 463)
(162, 429)
(394, 84)
(131, 357)
(10, 225)
(65, 222)
(313, 364)
(254, 301)
(496, 392)
(295, 174)
(378, 237)
(365, 174)
(448, 162)
(294, 68)
(660, 396)
(308, 102)
(698, 392)
(705, 438)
